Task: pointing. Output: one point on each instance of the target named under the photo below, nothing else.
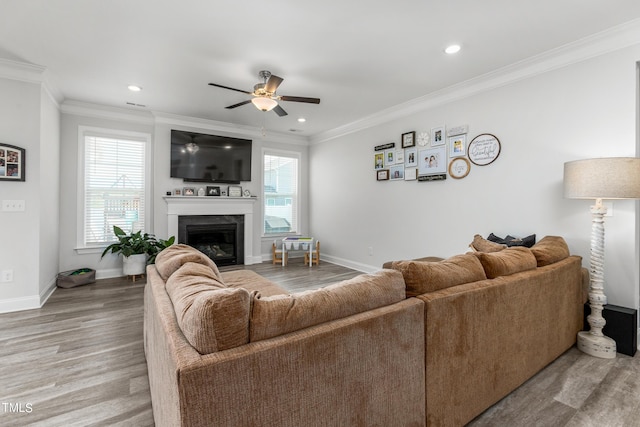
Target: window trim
(281, 153)
(83, 132)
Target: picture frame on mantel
(213, 190)
(234, 191)
(12, 161)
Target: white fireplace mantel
(188, 205)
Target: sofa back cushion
(508, 261)
(169, 260)
(550, 250)
(211, 316)
(421, 277)
(281, 314)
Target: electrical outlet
(6, 276)
(13, 205)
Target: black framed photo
(213, 190)
(409, 139)
(12, 163)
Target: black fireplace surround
(220, 237)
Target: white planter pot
(134, 264)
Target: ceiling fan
(264, 94)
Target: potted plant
(137, 249)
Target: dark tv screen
(210, 158)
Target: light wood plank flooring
(79, 361)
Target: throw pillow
(422, 277)
(509, 261)
(277, 315)
(549, 250)
(175, 256)
(509, 241)
(481, 244)
(211, 316)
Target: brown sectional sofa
(234, 349)
(422, 342)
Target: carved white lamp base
(594, 342)
(603, 347)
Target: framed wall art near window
(12, 160)
(408, 139)
(382, 175)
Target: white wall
(30, 119)
(583, 110)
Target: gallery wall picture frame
(389, 157)
(213, 190)
(12, 163)
(410, 174)
(457, 145)
(459, 167)
(438, 136)
(408, 139)
(378, 160)
(432, 161)
(399, 157)
(382, 175)
(396, 173)
(410, 157)
(484, 149)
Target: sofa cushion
(172, 258)
(252, 281)
(280, 314)
(422, 277)
(549, 250)
(212, 317)
(481, 244)
(509, 261)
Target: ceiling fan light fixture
(264, 103)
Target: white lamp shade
(603, 178)
(263, 103)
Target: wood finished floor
(79, 361)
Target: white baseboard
(365, 268)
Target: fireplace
(220, 237)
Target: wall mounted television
(199, 157)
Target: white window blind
(114, 187)
(280, 193)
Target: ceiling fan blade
(230, 88)
(280, 111)
(273, 83)
(239, 104)
(300, 99)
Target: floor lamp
(604, 178)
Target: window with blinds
(115, 183)
(280, 193)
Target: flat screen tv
(199, 157)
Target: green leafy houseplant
(137, 243)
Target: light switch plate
(13, 205)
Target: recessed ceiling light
(302, 119)
(454, 48)
(134, 88)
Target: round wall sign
(459, 167)
(484, 149)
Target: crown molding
(21, 71)
(616, 38)
(231, 128)
(86, 109)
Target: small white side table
(296, 244)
